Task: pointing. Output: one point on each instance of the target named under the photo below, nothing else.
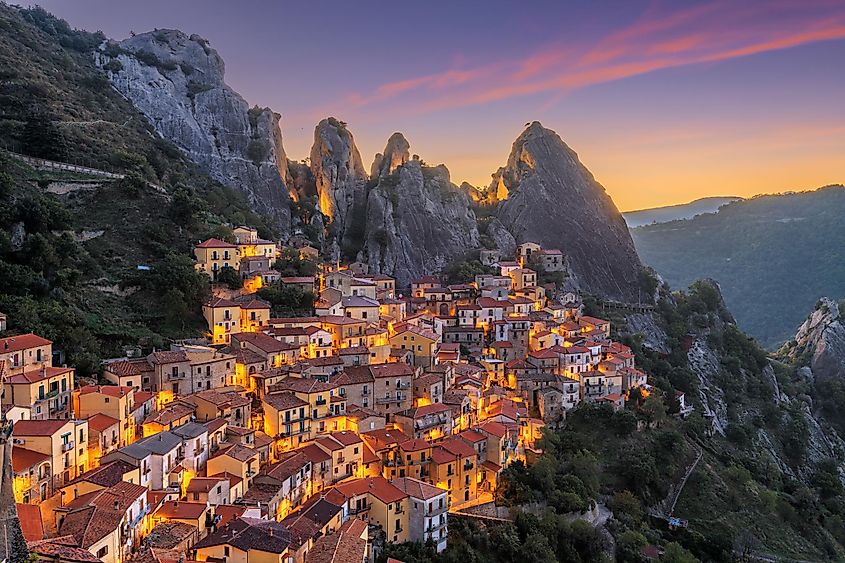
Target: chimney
(270, 531)
(117, 505)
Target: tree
(629, 546)
(42, 138)
(230, 277)
(675, 553)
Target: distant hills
(676, 212)
(774, 256)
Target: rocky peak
(418, 221)
(547, 196)
(177, 82)
(396, 153)
(340, 177)
(821, 339)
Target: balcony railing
(359, 509)
(66, 447)
(403, 385)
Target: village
(294, 439)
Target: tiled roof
(347, 545)
(29, 516)
(216, 243)
(379, 487)
(110, 390)
(101, 422)
(23, 459)
(181, 510)
(249, 533)
(417, 489)
(103, 514)
(123, 368)
(22, 342)
(39, 374)
(106, 475)
(168, 357)
(284, 400)
(38, 427)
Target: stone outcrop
(550, 198)
(418, 221)
(177, 82)
(821, 338)
(341, 181)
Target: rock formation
(822, 338)
(176, 81)
(550, 198)
(341, 182)
(418, 221)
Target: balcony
(359, 509)
(66, 447)
(403, 385)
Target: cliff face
(417, 219)
(550, 198)
(821, 338)
(341, 181)
(176, 81)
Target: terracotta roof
(29, 516)
(249, 534)
(265, 343)
(23, 459)
(414, 445)
(38, 374)
(426, 410)
(379, 487)
(168, 357)
(170, 413)
(62, 549)
(354, 375)
(169, 535)
(458, 446)
(236, 451)
(222, 399)
(314, 453)
(396, 369)
(254, 304)
(417, 489)
(216, 243)
(106, 475)
(204, 484)
(303, 385)
(101, 422)
(123, 368)
(347, 545)
(284, 400)
(38, 427)
(102, 515)
(495, 428)
(181, 510)
(228, 512)
(22, 342)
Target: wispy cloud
(659, 39)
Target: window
(103, 551)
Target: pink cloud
(707, 33)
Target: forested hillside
(70, 245)
(774, 256)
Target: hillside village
(297, 438)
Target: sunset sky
(665, 102)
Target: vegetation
(772, 255)
(287, 300)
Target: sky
(664, 101)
